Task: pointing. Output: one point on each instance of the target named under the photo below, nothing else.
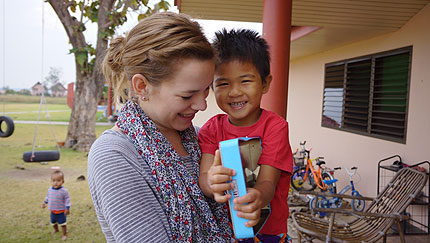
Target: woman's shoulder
(110, 139)
(110, 144)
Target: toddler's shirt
(58, 199)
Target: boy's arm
(45, 202)
(249, 205)
(67, 202)
(266, 183)
(213, 177)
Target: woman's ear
(266, 84)
(140, 85)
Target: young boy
(242, 76)
(58, 201)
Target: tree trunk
(88, 91)
(89, 84)
(81, 132)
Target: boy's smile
(238, 105)
(238, 90)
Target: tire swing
(47, 155)
(10, 127)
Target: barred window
(369, 95)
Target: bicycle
(306, 178)
(336, 202)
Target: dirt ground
(20, 172)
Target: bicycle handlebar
(338, 168)
(350, 172)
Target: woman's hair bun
(115, 53)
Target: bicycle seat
(329, 182)
(319, 162)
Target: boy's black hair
(245, 46)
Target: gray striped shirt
(123, 193)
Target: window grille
(369, 95)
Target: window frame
(372, 57)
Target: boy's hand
(249, 206)
(43, 205)
(218, 176)
(67, 211)
(258, 196)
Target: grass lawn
(30, 111)
(32, 99)
(22, 191)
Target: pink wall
(348, 149)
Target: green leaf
(81, 58)
(73, 50)
(134, 3)
(164, 5)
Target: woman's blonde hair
(153, 48)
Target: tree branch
(70, 24)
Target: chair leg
(399, 227)
(305, 238)
(330, 228)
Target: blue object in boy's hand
(230, 156)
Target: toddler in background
(58, 201)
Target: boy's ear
(266, 85)
(139, 85)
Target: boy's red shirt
(276, 151)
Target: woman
(143, 173)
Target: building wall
(348, 149)
(212, 109)
(342, 148)
(37, 90)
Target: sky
(26, 59)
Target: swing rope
(43, 100)
(42, 97)
(4, 56)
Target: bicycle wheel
(357, 204)
(330, 187)
(299, 184)
(319, 204)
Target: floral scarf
(191, 217)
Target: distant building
(38, 89)
(58, 90)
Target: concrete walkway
(23, 112)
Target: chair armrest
(362, 214)
(327, 194)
